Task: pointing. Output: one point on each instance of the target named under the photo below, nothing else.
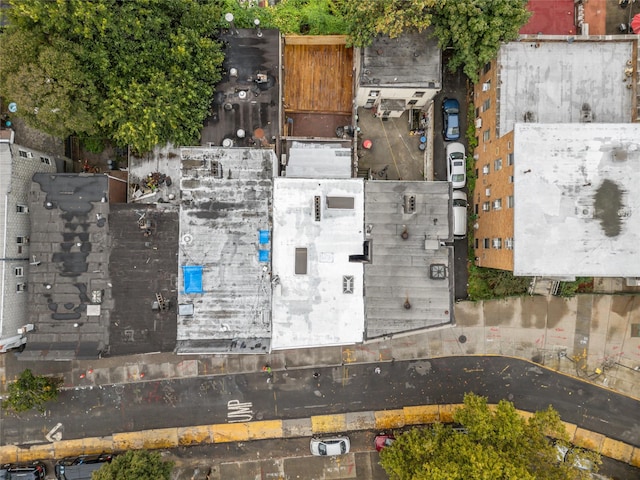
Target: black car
(80, 468)
(22, 471)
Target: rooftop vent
(529, 116)
(316, 207)
(586, 116)
(409, 203)
(347, 284)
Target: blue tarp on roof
(264, 237)
(264, 255)
(192, 279)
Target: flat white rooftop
(577, 203)
(550, 81)
(317, 290)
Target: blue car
(450, 119)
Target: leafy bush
(579, 285)
(487, 283)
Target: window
(510, 159)
(510, 201)
(418, 94)
(374, 93)
(476, 208)
(21, 287)
(510, 178)
(18, 271)
(22, 240)
(486, 206)
(45, 160)
(301, 261)
(486, 135)
(412, 102)
(485, 169)
(497, 164)
(497, 243)
(509, 145)
(486, 86)
(487, 67)
(486, 243)
(22, 209)
(486, 105)
(497, 204)
(487, 192)
(508, 243)
(477, 243)
(22, 153)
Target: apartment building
(561, 80)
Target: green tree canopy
(139, 73)
(135, 465)
(368, 18)
(474, 29)
(495, 444)
(31, 391)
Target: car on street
(22, 471)
(456, 168)
(459, 201)
(80, 468)
(383, 441)
(330, 446)
(450, 119)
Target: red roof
(550, 17)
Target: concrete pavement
(593, 337)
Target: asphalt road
(97, 411)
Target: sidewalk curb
(271, 429)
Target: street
(103, 410)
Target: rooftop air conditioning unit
(485, 169)
(485, 207)
(497, 243)
(509, 243)
(478, 122)
(486, 86)
(487, 192)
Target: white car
(459, 207)
(456, 168)
(330, 446)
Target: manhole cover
(462, 339)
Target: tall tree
(474, 29)
(31, 391)
(494, 443)
(368, 18)
(135, 465)
(139, 72)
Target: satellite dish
(13, 107)
(187, 238)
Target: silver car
(456, 168)
(330, 446)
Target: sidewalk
(587, 336)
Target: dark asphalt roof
(143, 262)
(69, 294)
(247, 95)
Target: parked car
(383, 441)
(450, 119)
(330, 446)
(456, 168)
(80, 468)
(459, 201)
(22, 471)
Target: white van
(459, 201)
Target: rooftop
(576, 200)
(317, 262)
(409, 282)
(226, 202)
(549, 81)
(246, 98)
(144, 248)
(555, 17)
(69, 283)
(410, 60)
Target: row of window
(497, 164)
(25, 154)
(494, 204)
(496, 243)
